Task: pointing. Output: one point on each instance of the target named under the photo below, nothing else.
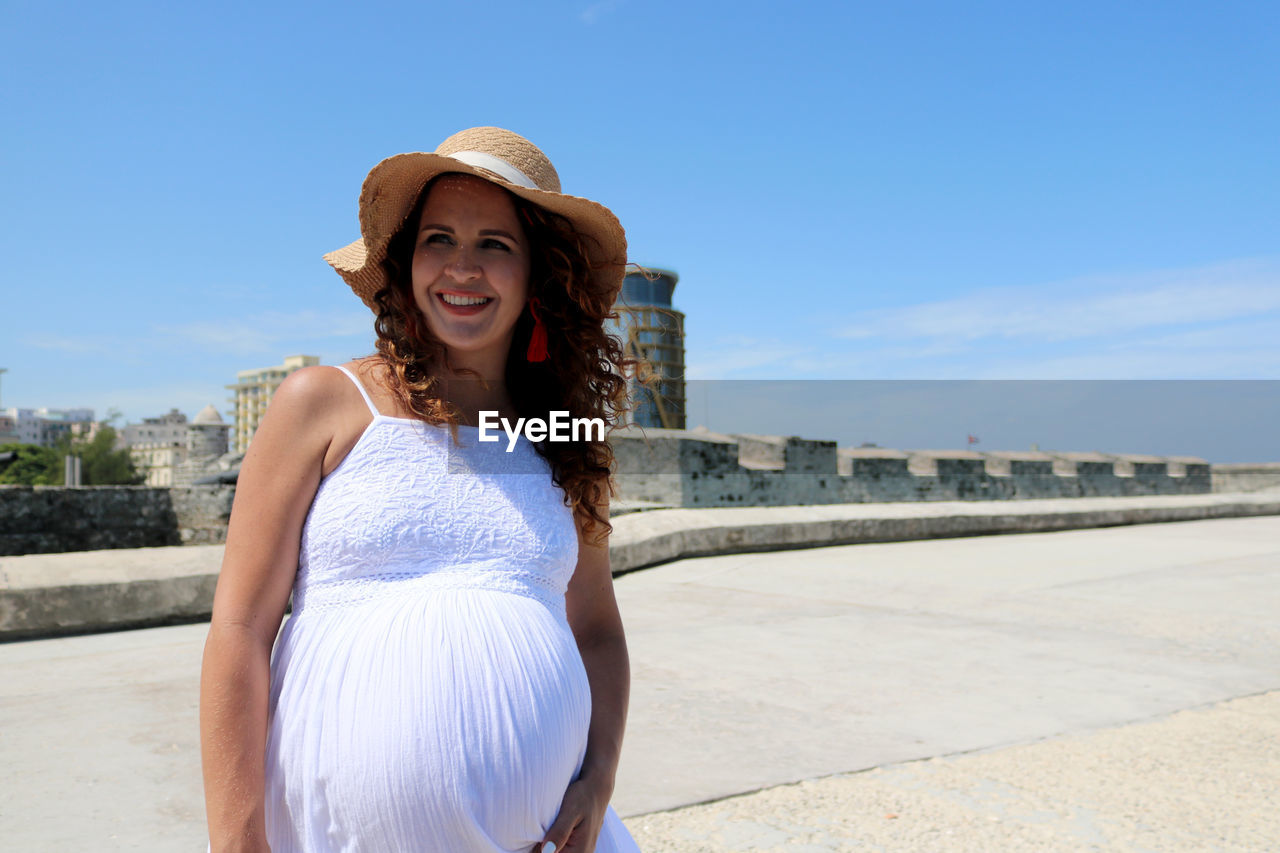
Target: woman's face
(470, 270)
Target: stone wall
(697, 468)
(1246, 478)
(53, 519)
(680, 468)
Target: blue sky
(848, 191)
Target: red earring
(538, 338)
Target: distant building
(173, 451)
(254, 390)
(44, 426)
(207, 434)
(652, 331)
(207, 443)
(157, 445)
(166, 430)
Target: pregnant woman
(454, 675)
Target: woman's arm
(593, 615)
(277, 483)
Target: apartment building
(44, 426)
(254, 390)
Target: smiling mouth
(464, 301)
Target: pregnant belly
(452, 721)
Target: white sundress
(427, 693)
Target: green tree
(31, 465)
(101, 464)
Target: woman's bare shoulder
(316, 410)
(314, 390)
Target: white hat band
(497, 165)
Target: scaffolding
(655, 338)
(652, 332)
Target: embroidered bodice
(409, 507)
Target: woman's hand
(577, 825)
(592, 611)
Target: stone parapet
(53, 519)
(666, 468)
(1246, 478)
(695, 468)
(50, 594)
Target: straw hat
(493, 154)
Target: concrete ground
(1060, 661)
(1204, 779)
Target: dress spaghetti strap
(360, 387)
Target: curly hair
(584, 371)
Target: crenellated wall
(697, 468)
(682, 468)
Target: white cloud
(268, 332)
(1218, 321)
(249, 335)
(734, 356)
(68, 345)
(135, 403)
(1092, 307)
(1236, 351)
